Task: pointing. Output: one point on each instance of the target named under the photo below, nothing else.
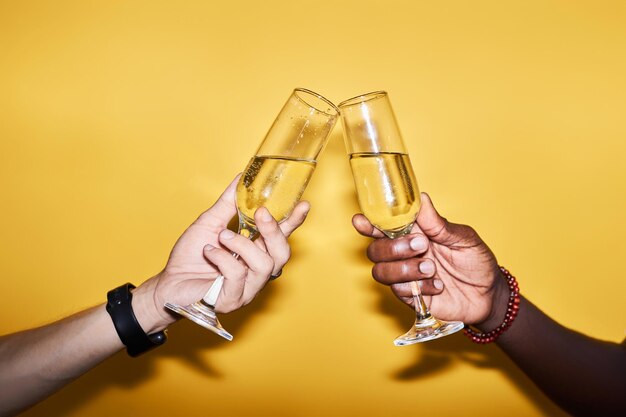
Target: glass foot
(203, 315)
(428, 329)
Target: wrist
(499, 302)
(131, 333)
(147, 312)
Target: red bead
(511, 314)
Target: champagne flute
(387, 190)
(275, 178)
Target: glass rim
(319, 96)
(362, 98)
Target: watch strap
(120, 308)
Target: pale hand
(204, 251)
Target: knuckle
(267, 266)
(395, 249)
(233, 306)
(407, 270)
(288, 225)
(240, 271)
(413, 268)
(227, 308)
(281, 262)
(282, 257)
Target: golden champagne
(387, 190)
(276, 183)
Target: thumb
(224, 208)
(435, 227)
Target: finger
(257, 260)
(296, 218)
(432, 224)
(234, 278)
(260, 263)
(364, 227)
(403, 271)
(441, 231)
(385, 250)
(429, 286)
(275, 242)
(223, 209)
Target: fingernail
(427, 268)
(209, 247)
(438, 284)
(265, 214)
(227, 234)
(418, 243)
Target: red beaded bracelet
(511, 312)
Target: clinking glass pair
(279, 172)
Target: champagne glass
(275, 178)
(387, 190)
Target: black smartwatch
(120, 308)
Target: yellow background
(121, 121)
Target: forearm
(35, 363)
(584, 376)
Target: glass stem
(418, 302)
(210, 298)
